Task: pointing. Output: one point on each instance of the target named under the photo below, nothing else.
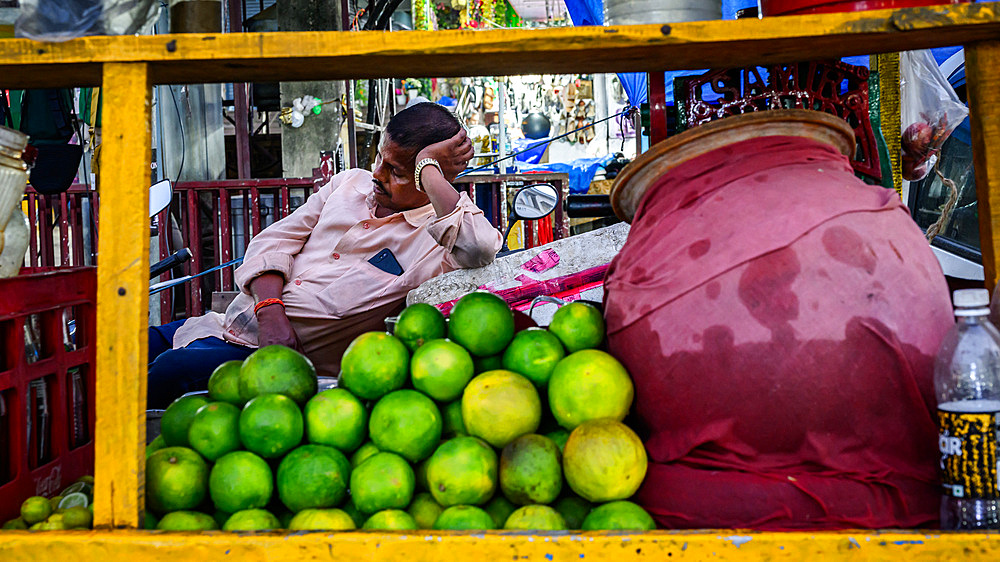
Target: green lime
(464, 518)
(252, 520)
(500, 509)
(618, 516)
(420, 474)
(321, 520)
(313, 477)
(155, 445)
(531, 470)
(481, 323)
(336, 418)
(215, 430)
(391, 520)
(424, 510)
(277, 369)
(559, 437)
(224, 384)
(54, 500)
(407, 423)
(85, 488)
(221, 517)
(462, 470)
(284, 517)
(240, 480)
(355, 513)
(16, 524)
(535, 518)
(362, 454)
(441, 369)
(500, 406)
(574, 510)
(589, 385)
(384, 481)
(87, 479)
(419, 323)
(187, 521)
(271, 425)
(488, 363)
(578, 325)
(36, 509)
(76, 499)
(604, 460)
(375, 364)
(176, 479)
(453, 425)
(534, 353)
(177, 419)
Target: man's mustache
(380, 185)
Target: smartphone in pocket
(386, 261)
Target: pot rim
(632, 182)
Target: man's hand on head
(452, 154)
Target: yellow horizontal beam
(16, 546)
(291, 56)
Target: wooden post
(123, 297)
(982, 72)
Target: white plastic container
(13, 224)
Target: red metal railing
(62, 216)
(217, 219)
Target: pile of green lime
(462, 424)
(68, 510)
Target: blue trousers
(174, 372)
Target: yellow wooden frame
(126, 67)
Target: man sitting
(342, 262)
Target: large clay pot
(780, 319)
(795, 7)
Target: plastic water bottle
(967, 383)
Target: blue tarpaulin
(581, 171)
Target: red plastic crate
(47, 328)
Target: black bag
(48, 119)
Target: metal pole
(241, 103)
(502, 135)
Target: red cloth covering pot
(796, 7)
(780, 319)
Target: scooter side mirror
(160, 194)
(531, 202)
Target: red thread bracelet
(267, 302)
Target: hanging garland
(447, 16)
(420, 20)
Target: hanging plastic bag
(930, 111)
(62, 20)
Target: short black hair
(421, 125)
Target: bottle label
(968, 445)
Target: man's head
(406, 134)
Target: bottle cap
(969, 298)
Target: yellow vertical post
(122, 296)
(887, 65)
(982, 72)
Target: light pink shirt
(332, 293)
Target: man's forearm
(439, 190)
(268, 285)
